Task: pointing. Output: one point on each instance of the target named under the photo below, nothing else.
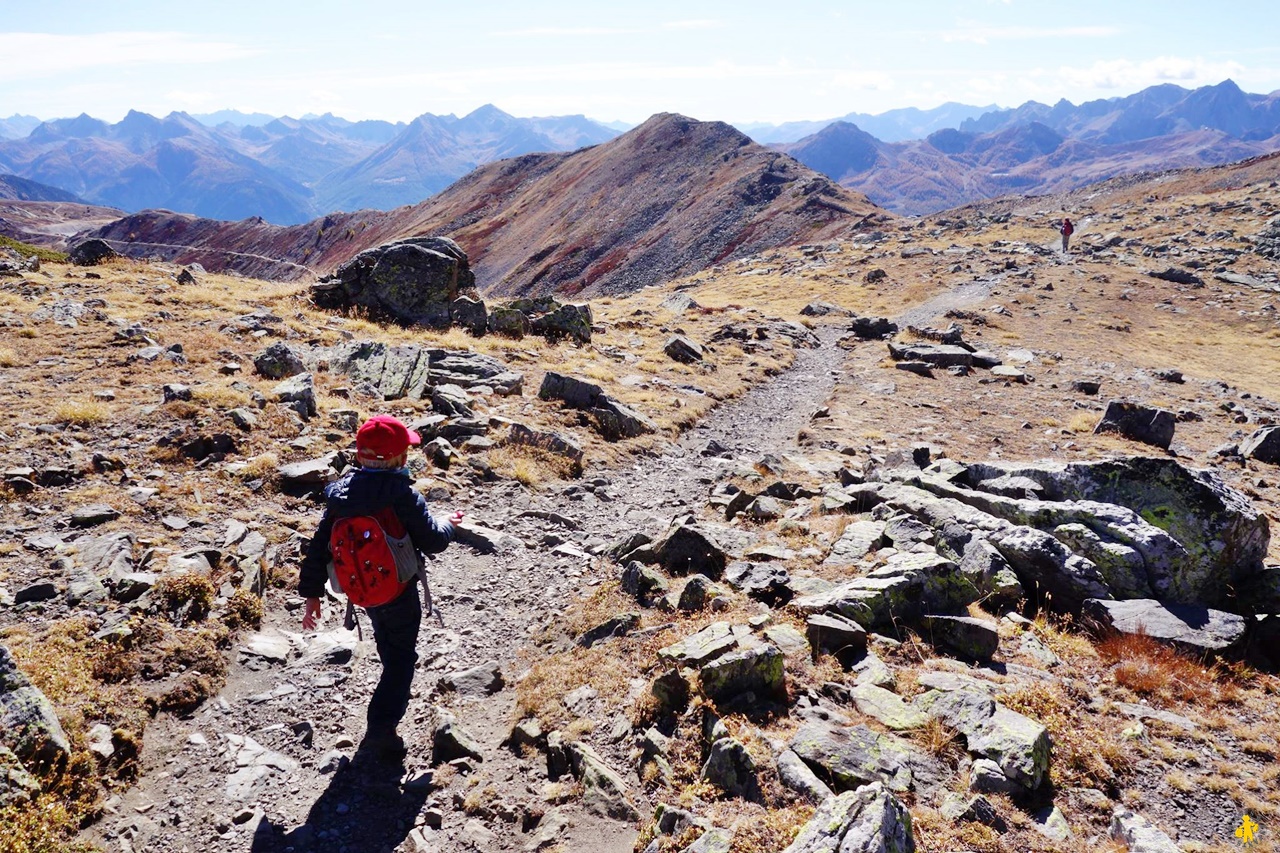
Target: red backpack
(373, 558)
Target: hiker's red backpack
(373, 558)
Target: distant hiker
(369, 545)
(1066, 230)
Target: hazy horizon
(743, 62)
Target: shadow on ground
(364, 810)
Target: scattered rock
(1138, 834)
(477, 682)
(1018, 744)
(731, 769)
(449, 742)
(1138, 423)
(682, 349)
(868, 820)
(93, 515)
(278, 361)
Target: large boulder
(91, 252)
(1138, 423)
(1191, 627)
(545, 316)
(17, 786)
(689, 549)
(868, 820)
(731, 769)
(29, 727)
(415, 281)
(410, 371)
(1198, 537)
(973, 638)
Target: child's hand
(311, 615)
(456, 518)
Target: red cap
(384, 437)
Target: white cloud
(1131, 76)
(983, 34)
(37, 55)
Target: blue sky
(736, 61)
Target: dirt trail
(201, 779)
(965, 294)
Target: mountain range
(286, 170)
(1040, 149)
(665, 199)
(231, 165)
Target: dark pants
(395, 632)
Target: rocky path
(265, 766)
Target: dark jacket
(365, 491)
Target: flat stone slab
(939, 355)
(1191, 627)
(848, 757)
(887, 707)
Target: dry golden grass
(529, 466)
(82, 413)
(9, 357)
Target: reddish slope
(665, 199)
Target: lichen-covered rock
(278, 361)
(887, 707)
(755, 669)
(859, 539)
(604, 791)
(470, 313)
(1018, 744)
(833, 634)
(415, 280)
(868, 820)
(796, 775)
(908, 585)
(29, 727)
(1196, 629)
(299, 392)
(731, 769)
(847, 757)
(973, 638)
(1138, 834)
(17, 786)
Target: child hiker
(374, 529)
